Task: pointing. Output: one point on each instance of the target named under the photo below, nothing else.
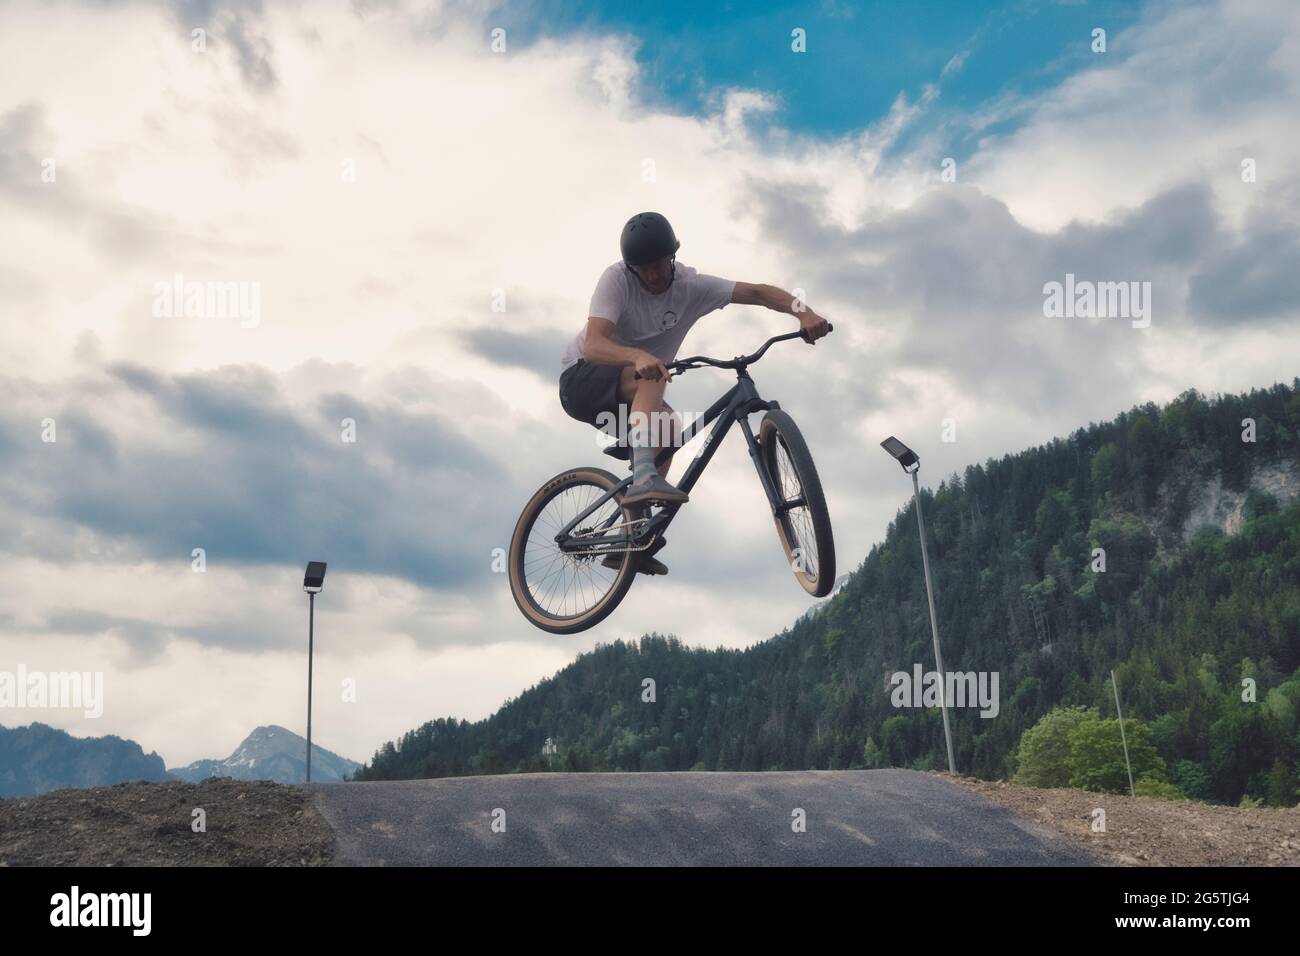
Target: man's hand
(813, 325)
(650, 368)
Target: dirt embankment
(151, 824)
(1144, 831)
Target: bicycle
(576, 519)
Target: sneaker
(645, 564)
(654, 488)
(649, 565)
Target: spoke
(795, 516)
(565, 584)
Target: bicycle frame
(735, 406)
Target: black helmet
(647, 238)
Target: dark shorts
(588, 390)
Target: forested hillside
(39, 758)
(1201, 590)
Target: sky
(416, 201)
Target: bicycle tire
(520, 589)
(781, 442)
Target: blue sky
(860, 56)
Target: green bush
(1044, 758)
(1075, 747)
(1097, 755)
(1152, 786)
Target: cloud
(235, 22)
(1256, 277)
(222, 460)
(1182, 95)
(537, 351)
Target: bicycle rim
(804, 529)
(565, 592)
(797, 522)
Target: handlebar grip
(829, 329)
(637, 375)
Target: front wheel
(803, 524)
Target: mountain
(37, 758)
(1194, 509)
(271, 753)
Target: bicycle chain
(643, 547)
(631, 550)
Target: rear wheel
(564, 592)
(803, 524)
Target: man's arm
(601, 349)
(778, 300)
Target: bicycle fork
(778, 504)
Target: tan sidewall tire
(518, 587)
(773, 422)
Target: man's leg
(650, 430)
(647, 398)
(672, 430)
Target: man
(640, 313)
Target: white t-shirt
(656, 323)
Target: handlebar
(740, 361)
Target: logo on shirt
(667, 320)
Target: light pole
(911, 463)
(1122, 737)
(313, 581)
